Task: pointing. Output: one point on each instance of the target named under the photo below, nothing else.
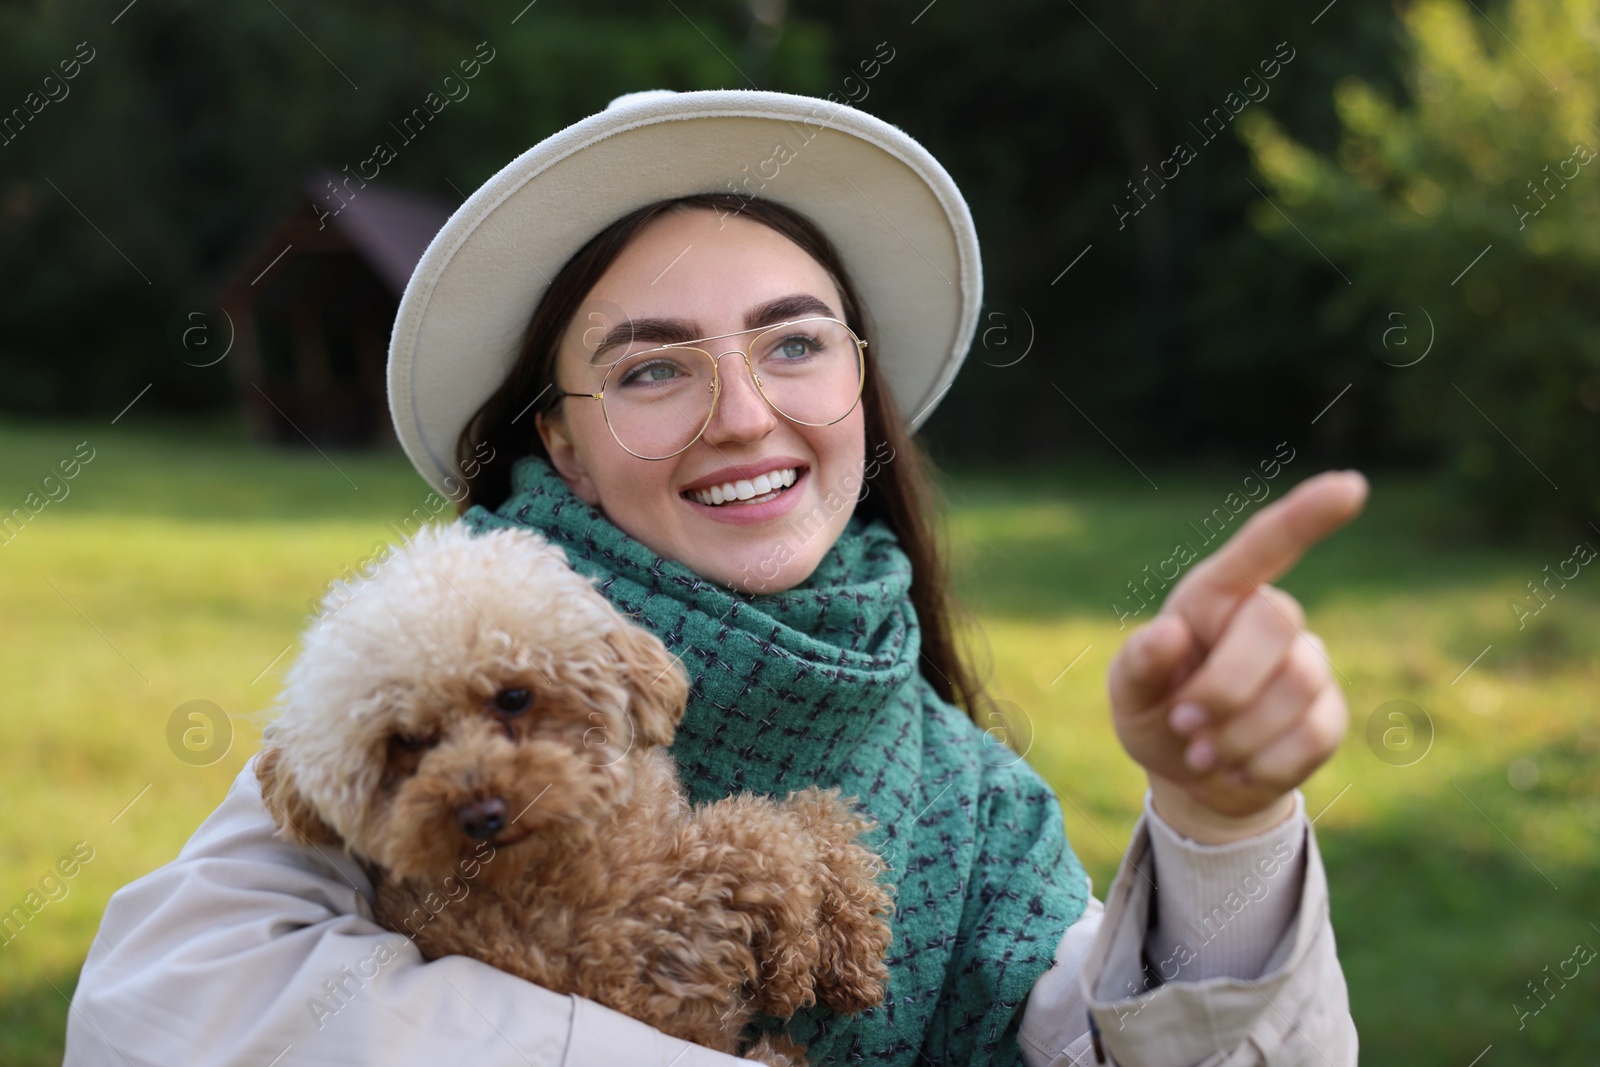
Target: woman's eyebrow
(677, 331)
(784, 308)
(660, 331)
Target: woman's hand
(1223, 698)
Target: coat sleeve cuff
(1296, 1011)
(1220, 910)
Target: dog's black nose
(482, 819)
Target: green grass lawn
(180, 566)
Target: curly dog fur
(476, 716)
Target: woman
(719, 500)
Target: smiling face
(713, 276)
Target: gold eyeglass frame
(716, 378)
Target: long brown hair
(906, 496)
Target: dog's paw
(853, 933)
(852, 974)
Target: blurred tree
(1468, 218)
(193, 126)
(1181, 331)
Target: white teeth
(761, 486)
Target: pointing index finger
(1267, 546)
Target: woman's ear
(563, 455)
(297, 820)
(656, 680)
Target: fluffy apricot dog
(483, 731)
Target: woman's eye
(650, 373)
(797, 346)
(512, 701)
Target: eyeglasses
(658, 401)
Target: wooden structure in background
(313, 305)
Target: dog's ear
(656, 679)
(297, 820)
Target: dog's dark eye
(512, 701)
(413, 744)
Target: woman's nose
(742, 412)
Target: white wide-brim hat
(900, 225)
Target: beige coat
(248, 950)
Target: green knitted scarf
(820, 684)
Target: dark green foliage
(1467, 214)
(1182, 330)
